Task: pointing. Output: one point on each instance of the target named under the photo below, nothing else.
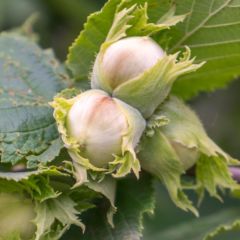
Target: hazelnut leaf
(29, 78)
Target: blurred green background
(60, 21)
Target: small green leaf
(120, 25)
(29, 78)
(142, 27)
(54, 217)
(213, 173)
(36, 187)
(84, 49)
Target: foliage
(29, 78)
(49, 187)
(211, 31)
(134, 199)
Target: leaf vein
(201, 24)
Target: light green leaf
(39, 188)
(120, 25)
(54, 217)
(142, 27)
(211, 30)
(56, 205)
(213, 173)
(158, 158)
(29, 78)
(134, 198)
(36, 187)
(133, 20)
(84, 49)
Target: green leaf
(158, 158)
(211, 30)
(54, 217)
(36, 187)
(105, 25)
(56, 205)
(120, 24)
(134, 198)
(48, 155)
(54, 211)
(84, 49)
(213, 173)
(132, 20)
(202, 228)
(29, 78)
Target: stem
(235, 173)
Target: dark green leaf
(29, 78)
(134, 198)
